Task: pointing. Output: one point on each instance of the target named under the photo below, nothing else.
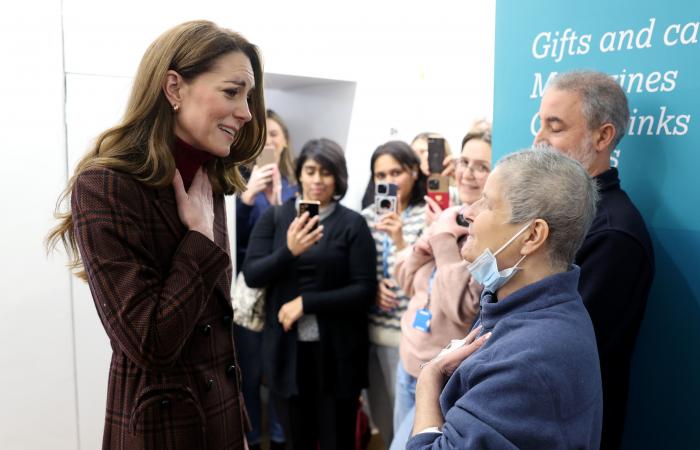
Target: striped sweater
(385, 326)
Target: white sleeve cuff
(429, 430)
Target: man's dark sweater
(617, 268)
(535, 384)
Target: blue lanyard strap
(386, 246)
(385, 256)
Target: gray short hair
(542, 183)
(602, 98)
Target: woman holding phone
(270, 182)
(319, 277)
(436, 278)
(393, 162)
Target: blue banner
(652, 49)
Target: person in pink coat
(444, 297)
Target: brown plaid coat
(163, 296)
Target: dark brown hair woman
(147, 230)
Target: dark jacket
(340, 285)
(535, 384)
(617, 269)
(248, 215)
(163, 296)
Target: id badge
(422, 320)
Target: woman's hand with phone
(260, 179)
(449, 167)
(432, 210)
(392, 224)
(301, 234)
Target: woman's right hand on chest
(195, 206)
(301, 234)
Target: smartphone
(439, 190)
(436, 155)
(385, 198)
(310, 206)
(462, 221)
(266, 156)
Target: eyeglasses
(478, 168)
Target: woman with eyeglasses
(444, 297)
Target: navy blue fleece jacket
(535, 384)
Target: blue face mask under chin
(484, 269)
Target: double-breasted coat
(162, 293)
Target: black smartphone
(436, 154)
(310, 206)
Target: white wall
(37, 389)
(415, 68)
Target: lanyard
(386, 246)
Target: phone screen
(310, 206)
(436, 154)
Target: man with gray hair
(527, 376)
(585, 114)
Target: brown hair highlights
(140, 144)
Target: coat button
(206, 329)
(209, 384)
(165, 403)
(226, 320)
(231, 370)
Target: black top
(617, 269)
(340, 283)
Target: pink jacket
(454, 302)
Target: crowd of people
(498, 321)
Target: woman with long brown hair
(147, 230)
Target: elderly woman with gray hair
(527, 376)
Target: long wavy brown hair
(141, 143)
(286, 163)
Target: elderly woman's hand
(440, 368)
(195, 206)
(301, 235)
(434, 375)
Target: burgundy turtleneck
(188, 159)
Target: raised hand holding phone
(304, 231)
(391, 221)
(438, 184)
(260, 179)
